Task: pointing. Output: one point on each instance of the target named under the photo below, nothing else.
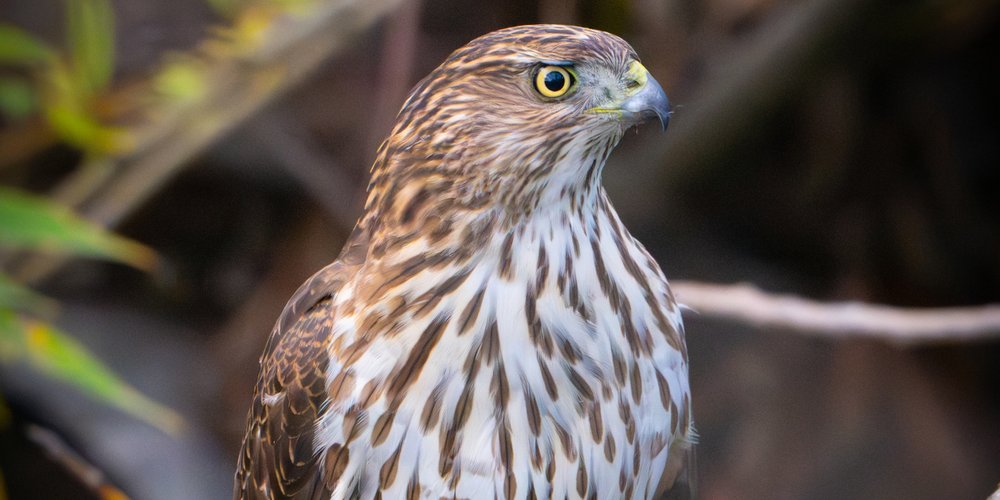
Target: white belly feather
(628, 428)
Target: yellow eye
(553, 81)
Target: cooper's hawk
(491, 329)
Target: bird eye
(553, 81)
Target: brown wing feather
(680, 479)
(278, 459)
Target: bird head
(516, 120)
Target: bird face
(538, 79)
(523, 116)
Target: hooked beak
(648, 101)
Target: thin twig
(239, 86)
(747, 304)
(243, 87)
(61, 453)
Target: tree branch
(239, 81)
(57, 450)
(747, 304)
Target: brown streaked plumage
(491, 329)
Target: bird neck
(427, 197)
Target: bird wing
(680, 479)
(278, 458)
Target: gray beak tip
(664, 119)
(650, 102)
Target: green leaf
(225, 8)
(181, 81)
(17, 47)
(17, 98)
(90, 28)
(14, 296)
(29, 222)
(68, 110)
(56, 355)
(80, 129)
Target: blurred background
(832, 149)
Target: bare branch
(107, 189)
(242, 85)
(746, 303)
(61, 453)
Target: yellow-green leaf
(80, 129)
(29, 222)
(90, 28)
(17, 98)
(69, 111)
(225, 8)
(56, 355)
(16, 297)
(17, 47)
(181, 81)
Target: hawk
(490, 329)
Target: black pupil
(555, 81)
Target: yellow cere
(638, 74)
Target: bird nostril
(632, 84)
